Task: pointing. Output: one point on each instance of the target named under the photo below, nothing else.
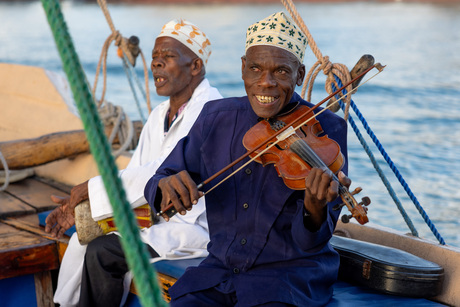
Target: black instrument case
(387, 269)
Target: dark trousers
(104, 269)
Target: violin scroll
(357, 210)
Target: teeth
(265, 99)
(160, 79)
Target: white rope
(122, 126)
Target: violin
(297, 150)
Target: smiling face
(270, 75)
(173, 68)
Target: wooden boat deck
(25, 248)
(27, 251)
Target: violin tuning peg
(365, 201)
(356, 191)
(346, 218)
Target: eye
(281, 71)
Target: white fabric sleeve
(133, 179)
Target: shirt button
(243, 241)
(236, 270)
(245, 206)
(248, 171)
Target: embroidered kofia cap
(280, 31)
(189, 35)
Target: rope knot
(118, 38)
(326, 65)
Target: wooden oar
(20, 154)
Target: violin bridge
(285, 134)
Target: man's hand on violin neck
(180, 191)
(321, 188)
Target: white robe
(180, 238)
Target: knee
(101, 248)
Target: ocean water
(413, 107)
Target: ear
(243, 64)
(197, 66)
(300, 74)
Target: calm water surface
(413, 107)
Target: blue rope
(379, 171)
(393, 168)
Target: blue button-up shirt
(259, 245)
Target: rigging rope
(128, 73)
(397, 173)
(122, 121)
(379, 170)
(122, 43)
(136, 252)
(329, 69)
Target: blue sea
(412, 107)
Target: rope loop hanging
(122, 125)
(329, 69)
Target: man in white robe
(178, 65)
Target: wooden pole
(20, 154)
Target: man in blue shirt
(269, 243)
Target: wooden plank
(44, 289)
(35, 193)
(30, 223)
(55, 184)
(11, 206)
(24, 253)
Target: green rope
(136, 252)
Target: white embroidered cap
(280, 31)
(189, 35)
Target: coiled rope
(136, 252)
(329, 69)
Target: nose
(157, 63)
(267, 79)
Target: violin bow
(378, 66)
